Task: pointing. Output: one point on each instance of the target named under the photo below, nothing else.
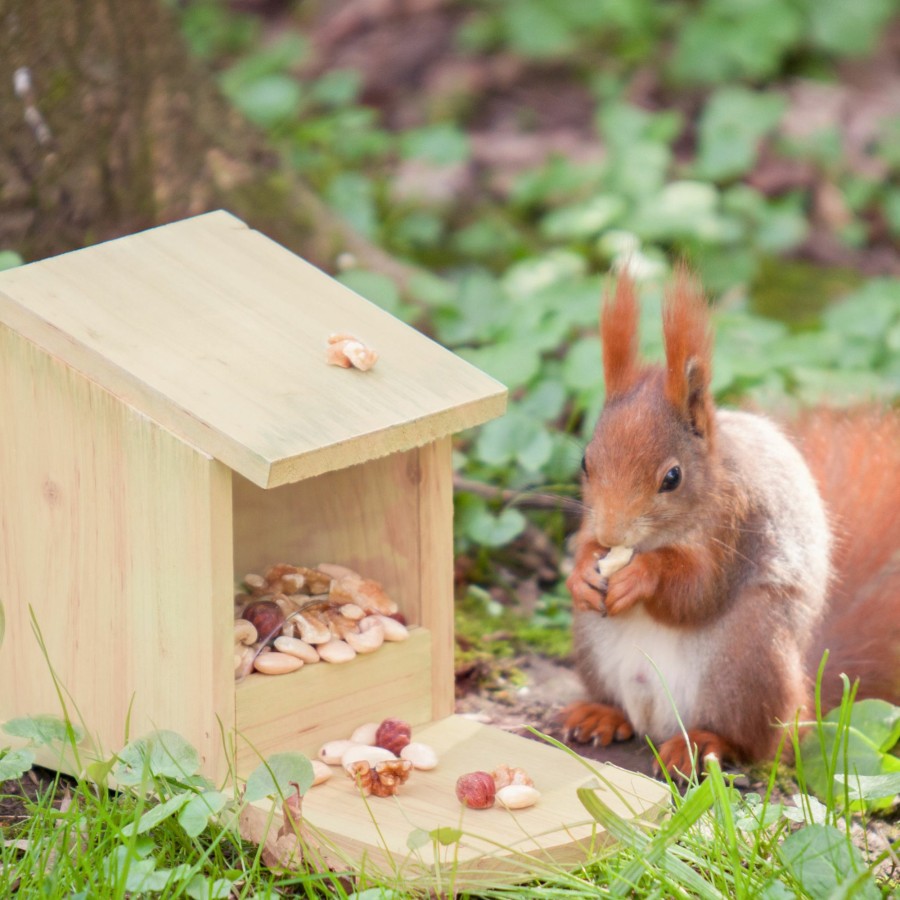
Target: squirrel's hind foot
(680, 757)
(595, 723)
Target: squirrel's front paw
(587, 586)
(596, 723)
(636, 582)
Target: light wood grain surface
(219, 334)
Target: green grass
(76, 838)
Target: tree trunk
(108, 126)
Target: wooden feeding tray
(170, 424)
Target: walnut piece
(384, 779)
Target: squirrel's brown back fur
(855, 459)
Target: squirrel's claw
(595, 723)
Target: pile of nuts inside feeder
(294, 615)
(380, 756)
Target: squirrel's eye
(671, 480)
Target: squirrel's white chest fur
(640, 663)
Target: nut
(310, 628)
(476, 790)
(333, 571)
(295, 647)
(335, 651)
(369, 636)
(393, 735)
(331, 751)
(372, 755)
(518, 796)
(345, 350)
(352, 611)
(393, 630)
(505, 775)
(276, 663)
(256, 583)
(615, 559)
(266, 618)
(365, 734)
(244, 633)
(321, 771)
(384, 779)
(422, 756)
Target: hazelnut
(266, 618)
(393, 735)
(476, 790)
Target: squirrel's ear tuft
(619, 336)
(688, 342)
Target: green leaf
(868, 312)
(196, 813)
(15, 763)
(585, 219)
(513, 363)
(514, 437)
(201, 888)
(725, 41)
(535, 29)
(731, 126)
(268, 100)
(444, 144)
(417, 839)
(684, 209)
(873, 787)
(446, 836)
(822, 860)
(538, 272)
(374, 286)
(156, 814)
(161, 754)
(273, 777)
(848, 29)
(9, 259)
(582, 369)
(337, 87)
(352, 195)
(488, 529)
(43, 729)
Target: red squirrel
(750, 556)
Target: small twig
(528, 499)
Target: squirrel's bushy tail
(855, 459)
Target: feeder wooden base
(346, 831)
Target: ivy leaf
(822, 860)
(15, 763)
(156, 814)
(513, 363)
(529, 276)
(43, 729)
(274, 776)
(161, 754)
(490, 529)
(731, 126)
(196, 813)
(847, 29)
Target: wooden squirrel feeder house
(169, 425)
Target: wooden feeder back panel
(115, 536)
(218, 333)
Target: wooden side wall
(117, 536)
